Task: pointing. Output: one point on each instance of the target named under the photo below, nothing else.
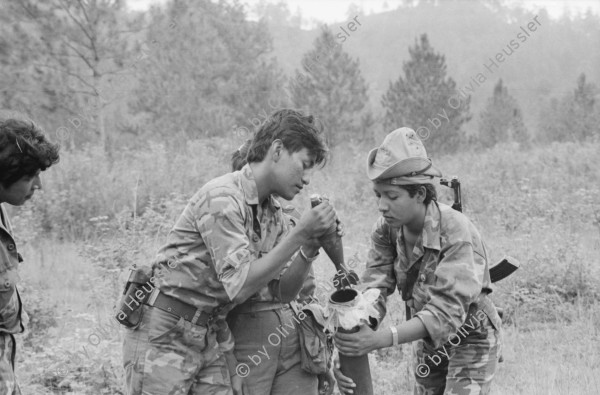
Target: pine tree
(502, 120)
(426, 100)
(14, 74)
(574, 117)
(207, 68)
(83, 44)
(584, 109)
(333, 89)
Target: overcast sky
(330, 11)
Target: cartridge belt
(174, 306)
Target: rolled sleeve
(220, 222)
(459, 278)
(379, 272)
(308, 288)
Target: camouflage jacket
(10, 303)
(449, 268)
(209, 250)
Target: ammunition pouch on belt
(140, 290)
(316, 346)
(137, 290)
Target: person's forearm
(270, 265)
(408, 331)
(292, 280)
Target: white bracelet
(394, 335)
(307, 259)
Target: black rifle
(499, 270)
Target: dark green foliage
(576, 116)
(502, 119)
(206, 68)
(426, 100)
(332, 88)
(76, 46)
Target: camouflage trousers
(267, 343)
(8, 381)
(167, 355)
(464, 366)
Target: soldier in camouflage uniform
(229, 244)
(24, 153)
(437, 259)
(269, 376)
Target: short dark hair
(430, 191)
(24, 150)
(295, 130)
(238, 158)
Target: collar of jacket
(5, 225)
(249, 187)
(432, 227)
(430, 236)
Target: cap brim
(401, 168)
(373, 173)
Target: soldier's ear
(276, 150)
(421, 194)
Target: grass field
(96, 217)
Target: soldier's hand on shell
(345, 384)
(345, 279)
(317, 221)
(358, 343)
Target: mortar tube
(333, 247)
(356, 368)
(332, 244)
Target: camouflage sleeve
(220, 222)
(308, 288)
(275, 284)
(9, 301)
(10, 305)
(292, 216)
(459, 278)
(9, 312)
(379, 272)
